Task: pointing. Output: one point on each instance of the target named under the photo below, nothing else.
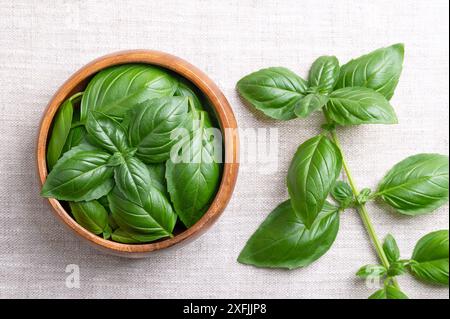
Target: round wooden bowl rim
(224, 114)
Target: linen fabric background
(43, 42)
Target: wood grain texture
(78, 81)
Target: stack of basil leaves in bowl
(134, 152)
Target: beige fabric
(43, 42)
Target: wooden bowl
(78, 81)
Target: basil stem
(362, 209)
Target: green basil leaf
(126, 237)
(364, 196)
(312, 174)
(193, 182)
(104, 202)
(152, 124)
(283, 240)
(358, 105)
(137, 205)
(91, 215)
(112, 222)
(379, 70)
(60, 131)
(379, 294)
(76, 137)
(106, 133)
(158, 177)
(391, 249)
(274, 91)
(115, 90)
(133, 179)
(342, 193)
(186, 89)
(371, 271)
(154, 220)
(430, 258)
(389, 292)
(324, 73)
(107, 233)
(116, 159)
(310, 103)
(82, 174)
(122, 236)
(416, 185)
(396, 269)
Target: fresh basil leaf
(379, 70)
(310, 103)
(122, 236)
(395, 293)
(284, 241)
(76, 137)
(396, 269)
(60, 131)
(359, 105)
(115, 90)
(126, 237)
(391, 249)
(106, 133)
(152, 124)
(137, 205)
(186, 89)
(154, 220)
(312, 174)
(416, 185)
(324, 73)
(342, 193)
(274, 91)
(430, 258)
(371, 271)
(364, 196)
(133, 179)
(82, 174)
(104, 202)
(91, 215)
(389, 292)
(158, 177)
(112, 222)
(107, 233)
(193, 182)
(379, 294)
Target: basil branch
(362, 209)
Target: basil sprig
(355, 93)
